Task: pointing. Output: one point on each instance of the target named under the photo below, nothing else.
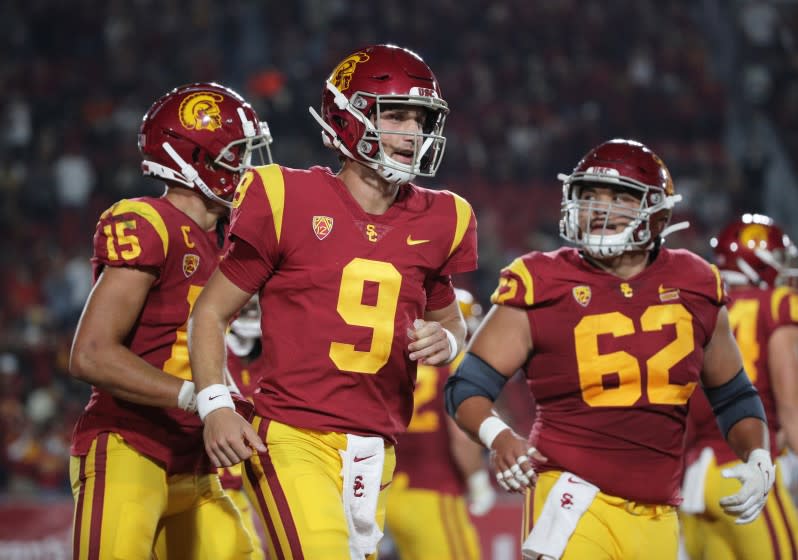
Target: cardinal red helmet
(202, 136)
(754, 250)
(360, 87)
(629, 166)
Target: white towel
(788, 465)
(565, 504)
(363, 462)
(695, 477)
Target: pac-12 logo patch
(190, 264)
(322, 226)
(582, 295)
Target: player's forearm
(124, 375)
(471, 413)
(746, 435)
(206, 347)
(457, 327)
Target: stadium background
(711, 85)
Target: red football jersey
(614, 364)
(342, 289)
(753, 315)
(246, 373)
(151, 233)
(423, 451)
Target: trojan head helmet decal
(200, 111)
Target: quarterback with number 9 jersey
(353, 270)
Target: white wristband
(491, 427)
(212, 398)
(452, 345)
(186, 398)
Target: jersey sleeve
(700, 277)
(516, 285)
(258, 209)
(462, 255)
(242, 265)
(131, 233)
(440, 292)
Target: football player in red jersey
(753, 255)
(245, 364)
(614, 336)
(138, 468)
(436, 464)
(354, 272)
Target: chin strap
(395, 173)
(673, 228)
(187, 176)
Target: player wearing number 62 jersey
(142, 484)
(614, 337)
(354, 275)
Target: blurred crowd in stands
(531, 85)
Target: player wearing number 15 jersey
(354, 275)
(614, 337)
(755, 257)
(139, 473)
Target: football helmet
(470, 308)
(630, 166)
(363, 85)
(754, 250)
(245, 328)
(202, 136)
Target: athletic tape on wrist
(212, 398)
(452, 345)
(491, 427)
(186, 399)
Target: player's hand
(229, 439)
(429, 344)
(481, 495)
(510, 457)
(757, 476)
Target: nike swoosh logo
(572, 480)
(214, 397)
(411, 241)
(358, 459)
(386, 485)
